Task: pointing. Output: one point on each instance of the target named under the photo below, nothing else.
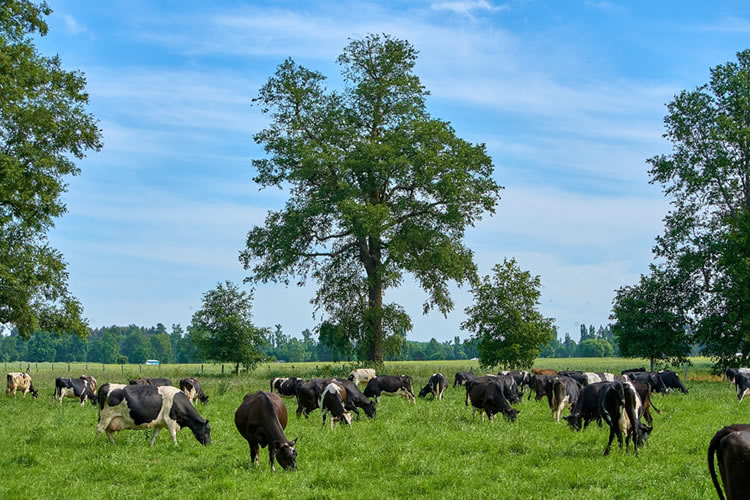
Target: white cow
(361, 375)
(22, 381)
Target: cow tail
(711, 451)
(653, 405)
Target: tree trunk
(652, 365)
(375, 321)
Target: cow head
(425, 391)
(286, 454)
(34, 392)
(202, 433)
(574, 422)
(203, 398)
(350, 377)
(644, 431)
(511, 414)
(369, 409)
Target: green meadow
(428, 449)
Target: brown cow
(22, 381)
(543, 371)
(261, 419)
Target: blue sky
(568, 96)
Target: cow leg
(157, 430)
(324, 419)
(111, 436)
(271, 455)
(254, 452)
(611, 438)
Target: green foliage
(705, 241)
(505, 318)
(649, 319)
(224, 328)
(43, 128)
(595, 348)
(377, 188)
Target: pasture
(427, 449)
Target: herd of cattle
(618, 400)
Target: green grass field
(430, 449)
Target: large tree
(223, 327)
(650, 319)
(707, 179)
(377, 189)
(505, 317)
(44, 127)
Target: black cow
(576, 375)
(390, 385)
(564, 394)
(435, 386)
(506, 383)
(462, 377)
(742, 384)
(193, 390)
(653, 379)
(486, 395)
(308, 394)
(732, 448)
(355, 399)
(538, 385)
(672, 380)
(158, 381)
(632, 370)
(73, 388)
(142, 406)
(586, 407)
(620, 407)
(261, 420)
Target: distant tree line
(593, 343)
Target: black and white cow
(576, 375)
(586, 407)
(742, 384)
(146, 406)
(308, 394)
(92, 382)
(332, 400)
(486, 396)
(435, 386)
(355, 399)
(731, 445)
(286, 386)
(632, 370)
(157, 381)
(565, 393)
(593, 377)
(73, 388)
(653, 379)
(261, 419)
(644, 392)
(462, 377)
(522, 378)
(672, 380)
(620, 407)
(731, 373)
(390, 385)
(193, 390)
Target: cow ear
(293, 442)
(206, 421)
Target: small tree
(649, 321)
(505, 318)
(223, 328)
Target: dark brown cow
(732, 448)
(158, 381)
(261, 420)
(543, 371)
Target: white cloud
(604, 6)
(467, 8)
(72, 26)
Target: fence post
(37, 367)
(68, 367)
(222, 369)
(103, 368)
(140, 369)
(686, 371)
(201, 369)
(122, 369)
(87, 367)
(19, 366)
(53, 367)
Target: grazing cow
(522, 378)
(565, 393)
(361, 375)
(20, 381)
(286, 386)
(742, 384)
(390, 385)
(731, 373)
(355, 399)
(193, 390)
(308, 394)
(73, 388)
(632, 370)
(652, 379)
(435, 386)
(332, 400)
(593, 377)
(620, 407)
(146, 406)
(506, 383)
(543, 371)
(578, 376)
(586, 407)
(158, 381)
(462, 377)
(644, 392)
(91, 380)
(672, 380)
(486, 396)
(732, 448)
(261, 420)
